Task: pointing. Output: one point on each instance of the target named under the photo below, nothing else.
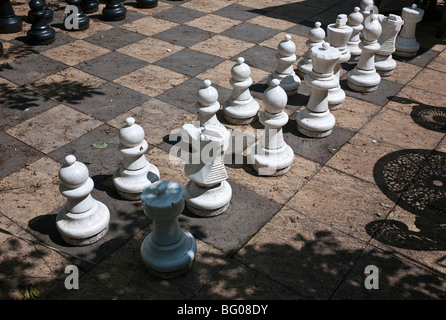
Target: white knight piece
(391, 26)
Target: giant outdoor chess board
(371, 193)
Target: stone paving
(371, 193)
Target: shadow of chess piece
(89, 6)
(49, 16)
(1, 49)
(114, 11)
(75, 20)
(40, 33)
(9, 22)
(146, 3)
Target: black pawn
(48, 14)
(9, 22)
(114, 11)
(40, 33)
(146, 3)
(89, 6)
(83, 21)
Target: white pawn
(316, 37)
(364, 78)
(316, 120)
(406, 44)
(338, 35)
(354, 21)
(284, 72)
(240, 108)
(271, 156)
(384, 62)
(83, 220)
(207, 193)
(367, 7)
(136, 172)
(168, 251)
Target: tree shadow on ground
(415, 180)
(316, 265)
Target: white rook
(168, 251)
(406, 42)
(271, 156)
(338, 35)
(83, 220)
(364, 78)
(284, 72)
(316, 120)
(136, 172)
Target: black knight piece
(9, 22)
(114, 11)
(40, 33)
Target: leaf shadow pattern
(69, 91)
(427, 116)
(415, 180)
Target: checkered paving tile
(372, 192)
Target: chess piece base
(81, 229)
(240, 112)
(364, 81)
(169, 261)
(146, 4)
(315, 124)
(406, 47)
(117, 13)
(289, 83)
(274, 162)
(130, 183)
(10, 25)
(207, 201)
(336, 98)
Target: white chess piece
(364, 78)
(316, 37)
(240, 108)
(136, 172)
(83, 220)
(284, 72)
(271, 156)
(316, 120)
(207, 193)
(391, 26)
(338, 35)
(168, 251)
(354, 21)
(406, 43)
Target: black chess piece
(114, 11)
(48, 14)
(146, 3)
(76, 21)
(40, 33)
(9, 22)
(89, 6)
